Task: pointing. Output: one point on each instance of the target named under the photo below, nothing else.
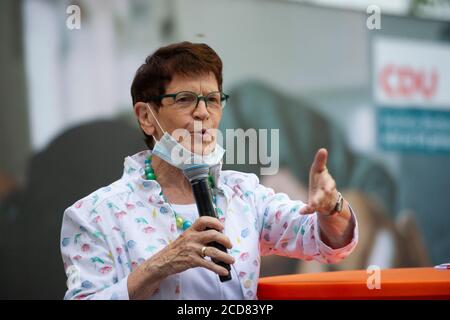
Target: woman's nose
(201, 111)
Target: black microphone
(198, 177)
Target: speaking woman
(142, 238)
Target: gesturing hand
(322, 193)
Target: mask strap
(159, 125)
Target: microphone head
(197, 171)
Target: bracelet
(339, 205)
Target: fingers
(205, 222)
(219, 255)
(209, 230)
(320, 160)
(208, 236)
(199, 261)
(204, 231)
(322, 187)
(307, 210)
(322, 200)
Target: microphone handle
(203, 198)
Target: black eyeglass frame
(223, 97)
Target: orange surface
(409, 283)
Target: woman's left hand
(322, 194)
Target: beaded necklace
(181, 223)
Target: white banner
(409, 73)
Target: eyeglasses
(186, 99)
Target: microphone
(198, 177)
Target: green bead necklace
(181, 223)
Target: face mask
(171, 151)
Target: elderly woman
(142, 238)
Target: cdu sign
(410, 89)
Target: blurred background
(375, 92)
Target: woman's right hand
(186, 251)
(182, 254)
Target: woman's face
(200, 124)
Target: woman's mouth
(203, 135)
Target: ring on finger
(203, 251)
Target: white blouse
(110, 232)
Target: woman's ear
(145, 118)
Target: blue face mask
(171, 151)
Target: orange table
(408, 283)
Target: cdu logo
(403, 81)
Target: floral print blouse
(107, 234)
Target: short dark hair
(184, 58)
